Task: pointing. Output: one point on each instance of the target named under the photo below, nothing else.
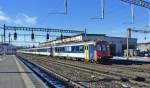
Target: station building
(118, 44)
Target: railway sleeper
(123, 79)
(139, 79)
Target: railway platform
(14, 74)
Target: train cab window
(104, 47)
(99, 47)
(108, 47)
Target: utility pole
(132, 14)
(4, 33)
(128, 36)
(85, 35)
(9, 38)
(102, 8)
(102, 11)
(149, 19)
(66, 6)
(4, 41)
(65, 12)
(141, 3)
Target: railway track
(83, 71)
(120, 70)
(124, 67)
(48, 76)
(115, 75)
(115, 66)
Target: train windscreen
(102, 47)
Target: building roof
(65, 37)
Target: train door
(51, 51)
(86, 53)
(91, 52)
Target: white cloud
(20, 19)
(3, 17)
(23, 19)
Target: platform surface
(13, 74)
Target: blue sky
(35, 13)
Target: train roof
(68, 43)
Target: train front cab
(97, 52)
(102, 52)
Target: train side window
(55, 49)
(63, 49)
(73, 48)
(69, 48)
(81, 48)
(58, 49)
(77, 48)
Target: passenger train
(87, 51)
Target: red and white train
(85, 50)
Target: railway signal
(47, 36)
(61, 36)
(15, 36)
(32, 36)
